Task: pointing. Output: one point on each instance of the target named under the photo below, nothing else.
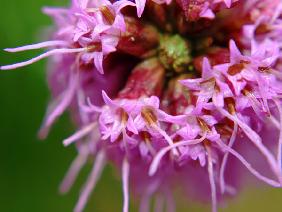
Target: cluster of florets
(156, 88)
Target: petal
(108, 100)
(140, 5)
(131, 126)
(98, 61)
(206, 71)
(235, 54)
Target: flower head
(168, 94)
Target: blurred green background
(31, 170)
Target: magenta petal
(140, 5)
(235, 54)
(98, 61)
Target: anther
(123, 116)
(235, 69)
(108, 15)
(94, 47)
(203, 125)
(145, 136)
(149, 116)
(264, 69)
(262, 29)
(230, 105)
(106, 12)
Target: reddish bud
(139, 39)
(146, 79)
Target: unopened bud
(146, 79)
(139, 39)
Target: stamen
(256, 104)
(74, 169)
(38, 46)
(170, 204)
(80, 97)
(248, 166)
(94, 47)
(151, 119)
(56, 109)
(167, 138)
(275, 122)
(80, 134)
(230, 105)
(208, 81)
(147, 138)
(262, 29)
(156, 161)
(203, 125)
(92, 10)
(225, 158)
(125, 184)
(264, 69)
(94, 176)
(159, 204)
(230, 190)
(106, 12)
(235, 69)
(145, 202)
(212, 180)
(124, 116)
(279, 151)
(224, 130)
(151, 148)
(108, 15)
(44, 55)
(256, 140)
(90, 108)
(148, 115)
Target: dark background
(31, 170)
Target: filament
(94, 176)
(125, 184)
(42, 56)
(80, 134)
(162, 152)
(225, 158)
(37, 46)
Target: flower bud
(139, 39)
(146, 79)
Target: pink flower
(140, 5)
(169, 104)
(89, 29)
(203, 8)
(210, 86)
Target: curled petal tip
(107, 99)
(8, 50)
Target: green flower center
(174, 52)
